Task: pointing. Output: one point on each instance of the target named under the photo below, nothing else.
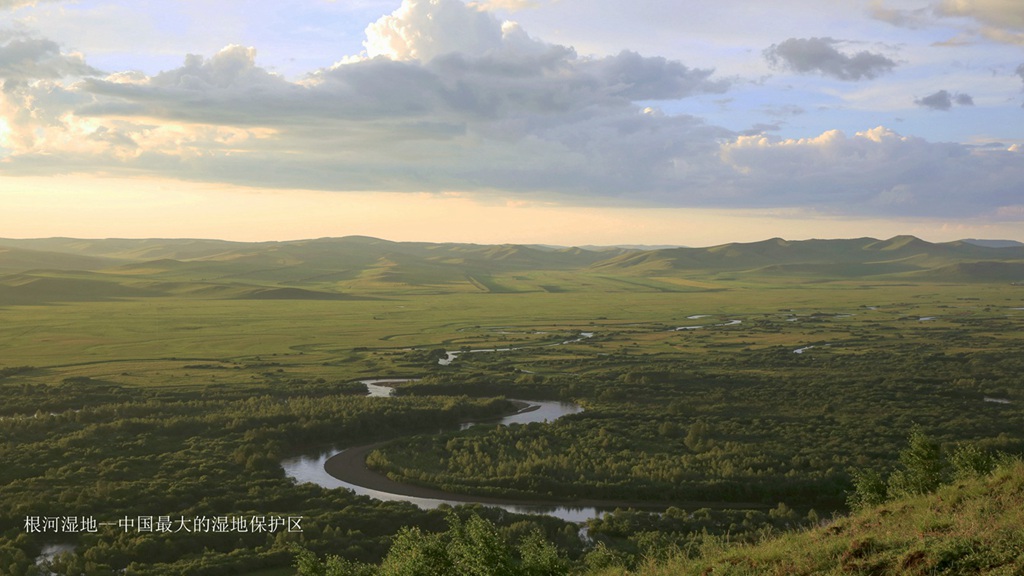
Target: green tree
(968, 460)
(307, 564)
(471, 547)
(476, 549)
(922, 468)
(539, 557)
(414, 553)
(869, 489)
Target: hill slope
(859, 257)
(327, 267)
(970, 527)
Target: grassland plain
(148, 337)
(180, 373)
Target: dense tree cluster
(88, 449)
(703, 429)
(470, 547)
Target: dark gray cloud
(944, 100)
(229, 87)
(820, 56)
(26, 58)
(543, 120)
(634, 77)
(940, 100)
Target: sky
(568, 122)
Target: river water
(305, 469)
(451, 355)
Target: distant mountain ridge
(994, 243)
(326, 267)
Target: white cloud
(507, 5)
(424, 29)
(32, 100)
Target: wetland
(183, 397)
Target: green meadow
(151, 339)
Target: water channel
(451, 355)
(312, 468)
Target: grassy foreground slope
(968, 527)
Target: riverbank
(350, 466)
(348, 469)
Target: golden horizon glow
(37, 207)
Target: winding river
(347, 468)
(350, 472)
(697, 316)
(451, 355)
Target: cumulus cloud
(32, 98)
(424, 29)
(820, 55)
(232, 67)
(436, 110)
(875, 171)
(547, 122)
(425, 68)
(944, 100)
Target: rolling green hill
(13, 258)
(861, 257)
(328, 267)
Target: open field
(153, 339)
